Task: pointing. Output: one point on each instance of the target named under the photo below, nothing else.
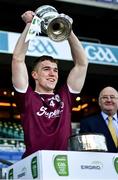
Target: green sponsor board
(34, 167)
(116, 164)
(10, 174)
(61, 165)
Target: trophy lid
(44, 9)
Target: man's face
(46, 76)
(108, 100)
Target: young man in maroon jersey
(45, 113)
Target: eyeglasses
(108, 97)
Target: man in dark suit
(108, 102)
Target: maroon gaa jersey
(46, 119)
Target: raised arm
(76, 77)
(19, 70)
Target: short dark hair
(43, 58)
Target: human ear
(34, 75)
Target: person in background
(46, 113)
(99, 123)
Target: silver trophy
(55, 25)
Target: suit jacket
(96, 124)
